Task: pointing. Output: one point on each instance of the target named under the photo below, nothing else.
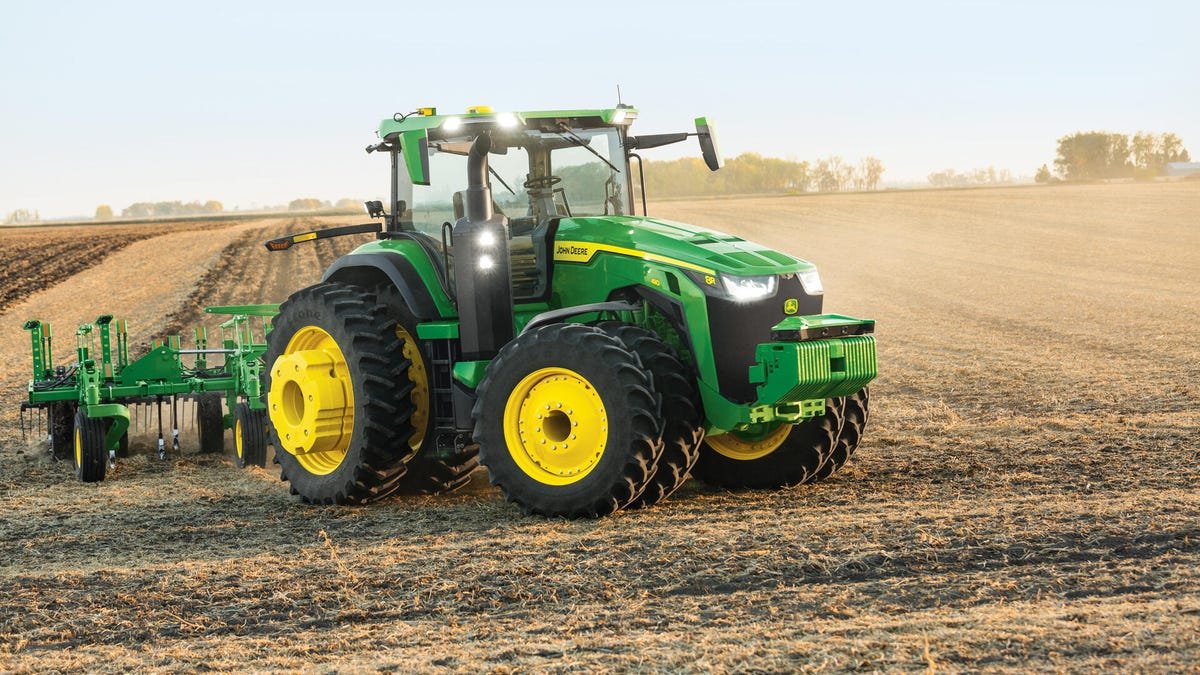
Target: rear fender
(371, 270)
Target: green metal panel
(438, 330)
(160, 363)
(796, 371)
(267, 310)
(470, 373)
(579, 240)
(421, 263)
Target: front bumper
(811, 359)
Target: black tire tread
(430, 471)
(385, 407)
(643, 419)
(254, 436)
(95, 456)
(62, 430)
(683, 428)
(210, 422)
(857, 412)
(795, 461)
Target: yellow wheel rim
(420, 393)
(312, 400)
(237, 437)
(78, 447)
(737, 447)
(555, 426)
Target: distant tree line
(22, 216)
(985, 176)
(1099, 155)
(751, 173)
(167, 209)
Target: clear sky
(258, 103)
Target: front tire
(568, 422)
(683, 428)
(857, 412)
(338, 396)
(783, 456)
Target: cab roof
(448, 124)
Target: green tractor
(516, 312)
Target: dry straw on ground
(1025, 497)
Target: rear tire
(683, 429)
(366, 463)
(787, 455)
(90, 455)
(250, 436)
(576, 387)
(430, 471)
(854, 422)
(210, 419)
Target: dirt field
(1025, 497)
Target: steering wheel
(541, 182)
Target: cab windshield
(535, 176)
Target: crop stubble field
(1025, 496)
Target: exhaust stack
(482, 279)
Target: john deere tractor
(517, 312)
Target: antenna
(619, 101)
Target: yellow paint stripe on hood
(583, 251)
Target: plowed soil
(1025, 497)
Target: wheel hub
(312, 400)
(556, 426)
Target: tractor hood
(670, 242)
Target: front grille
(738, 327)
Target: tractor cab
(542, 166)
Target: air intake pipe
(482, 280)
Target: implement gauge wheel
(338, 395)
(62, 429)
(568, 422)
(250, 436)
(90, 455)
(210, 419)
(774, 457)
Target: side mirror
(706, 132)
(374, 208)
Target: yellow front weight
(312, 400)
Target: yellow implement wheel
(311, 401)
(78, 448)
(420, 391)
(736, 446)
(555, 426)
(237, 437)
